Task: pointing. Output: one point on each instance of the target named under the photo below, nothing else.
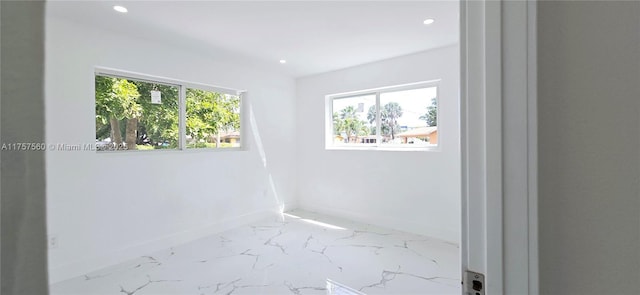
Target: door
(499, 144)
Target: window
(392, 117)
(213, 119)
(135, 112)
(354, 120)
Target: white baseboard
(87, 265)
(386, 222)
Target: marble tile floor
(298, 253)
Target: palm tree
(371, 115)
(389, 116)
(431, 116)
(348, 112)
(338, 124)
(349, 121)
(351, 127)
(364, 130)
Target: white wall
(23, 242)
(105, 208)
(589, 147)
(412, 191)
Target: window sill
(384, 149)
(171, 151)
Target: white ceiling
(313, 36)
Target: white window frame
(329, 145)
(182, 111)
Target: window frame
(182, 108)
(329, 145)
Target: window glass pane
(135, 115)
(409, 117)
(354, 120)
(213, 119)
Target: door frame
(498, 123)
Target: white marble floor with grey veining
(298, 253)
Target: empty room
(253, 147)
(319, 147)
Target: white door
(498, 145)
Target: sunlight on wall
(263, 155)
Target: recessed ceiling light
(282, 61)
(119, 8)
(429, 21)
